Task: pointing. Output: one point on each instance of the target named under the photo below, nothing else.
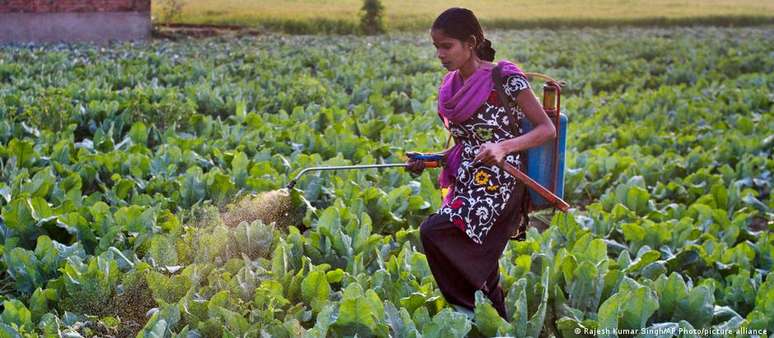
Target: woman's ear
(471, 42)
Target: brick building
(74, 20)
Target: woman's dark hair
(461, 23)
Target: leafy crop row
(115, 165)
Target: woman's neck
(467, 70)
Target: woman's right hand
(415, 167)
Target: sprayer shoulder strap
(498, 82)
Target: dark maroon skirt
(460, 266)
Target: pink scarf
(458, 101)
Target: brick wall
(49, 6)
(99, 21)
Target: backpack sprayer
(545, 163)
(435, 161)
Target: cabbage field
(129, 174)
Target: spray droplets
(274, 206)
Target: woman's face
(453, 53)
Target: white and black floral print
(481, 191)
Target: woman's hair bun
(485, 51)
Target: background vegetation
(342, 16)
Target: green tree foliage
(371, 17)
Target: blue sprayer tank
(541, 164)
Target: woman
(465, 238)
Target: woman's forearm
(541, 134)
(544, 129)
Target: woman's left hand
(491, 153)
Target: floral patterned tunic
(482, 191)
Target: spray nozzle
(291, 184)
